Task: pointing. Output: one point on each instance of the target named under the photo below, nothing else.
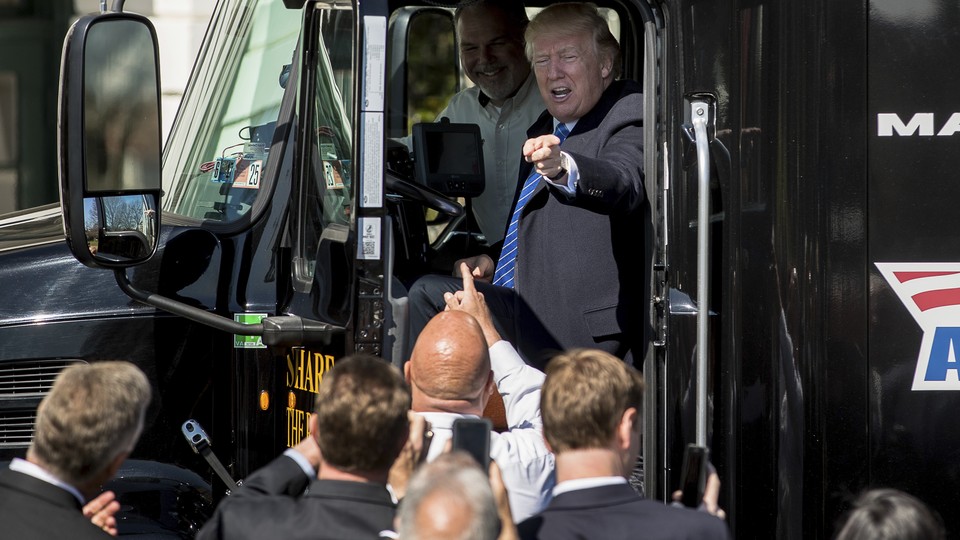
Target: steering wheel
(422, 194)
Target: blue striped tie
(508, 254)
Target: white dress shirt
(525, 463)
(587, 483)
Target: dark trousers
(513, 318)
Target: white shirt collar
(587, 483)
(34, 470)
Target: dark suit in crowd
(31, 509)
(86, 426)
(281, 501)
(333, 484)
(617, 513)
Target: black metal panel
(789, 353)
(914, 444)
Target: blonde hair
(93, 413)
(584, 396)
(574, 18)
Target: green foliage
(431, 67)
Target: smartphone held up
(472, 435)
(693, 475)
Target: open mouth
(560, 92)
(489, 72)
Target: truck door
(683, 377)
(227, 184)
(331, 262)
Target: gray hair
(93, 413)
(513, 10)
(454, 477)
(575, 18)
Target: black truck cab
(801, 288)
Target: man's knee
(427, 292)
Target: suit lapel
(35, 487)
(543, 126)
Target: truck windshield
(219, 145)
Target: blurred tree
(432, 65)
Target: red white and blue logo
(931, 293)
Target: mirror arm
(186, 311)
(277, 331)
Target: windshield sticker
(369, 248)
(242, 173)
(372, 161)
(374, 61)
(333, 174)
(248, 342)
(248, 174)
(931, 293)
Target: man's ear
(627, 427)
(488, 388)
(406, 371)
(606, 67)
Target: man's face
(492, 53)
(570, 74)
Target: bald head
(450, 363)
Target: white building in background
(31, 40)
(180, 27)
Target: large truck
(803, 294)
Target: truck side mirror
(109, 140)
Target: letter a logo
(931, 293)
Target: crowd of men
(504, 328)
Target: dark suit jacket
(280, 501)
(33, 509)
(615, 513)
(581, 261)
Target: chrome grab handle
(700, 114)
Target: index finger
(468, 286)
(418, 426)
(98, 503)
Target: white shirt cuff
(573, 175)
(302, 461)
